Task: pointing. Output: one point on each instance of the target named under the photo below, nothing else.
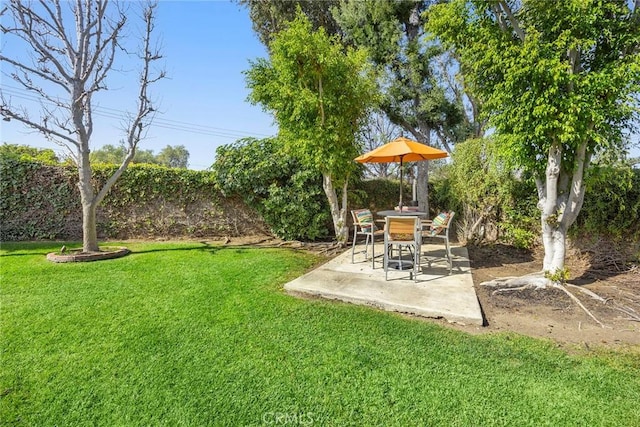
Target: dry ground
(551, 313)
(541, 313)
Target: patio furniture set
(405, 228)
(402, 231)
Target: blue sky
(206, 46)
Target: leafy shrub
(612, 203)
(288, 209)
(288, 195)
(375, 194)
(495, 204)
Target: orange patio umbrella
(401, 150)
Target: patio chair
(363, 225)
(439, 229)
(402, 232)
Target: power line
(176, 125)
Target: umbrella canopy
(401, 150)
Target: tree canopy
(559, 82)
(550, 73)
(169, 156)
(319, 93)
(270, 17)
(393, 34)
(413, 97)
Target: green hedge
(39, 201)
(42, 201)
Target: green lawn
(189, 334)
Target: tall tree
(378, 131)
(169, 156)
(558, 81)
(319, 93)
(271, 16)
(110, 154)
(174, 157)
(71, 48)
(393, 33)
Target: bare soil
(550, 313)
(77, 255)
(547, 313)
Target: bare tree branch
(503, 14)
(515, 24)
(145, 108)
(45, 75)
(37, 36)
(79, 64)
(46, 131)
(445, 136)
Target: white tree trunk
(560, 199)
(87, 199)
(554, 240)
(552, 236)
(338, 210)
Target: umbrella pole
(401, 184)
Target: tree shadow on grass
(203, 247)
(43, 248)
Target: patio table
(392, 212)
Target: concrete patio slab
(436, 294)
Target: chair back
(441, 222)
(363, 220)
(402, 228)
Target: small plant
(521, 238)
(561, 275)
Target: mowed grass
(186, 334)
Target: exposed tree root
(577, 301)
(538, 281)
(590, 293)
(529, 281)
(505, 290)
(633, 315)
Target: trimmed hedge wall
(38, 201)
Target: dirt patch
(77, 255)
(550, 313)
